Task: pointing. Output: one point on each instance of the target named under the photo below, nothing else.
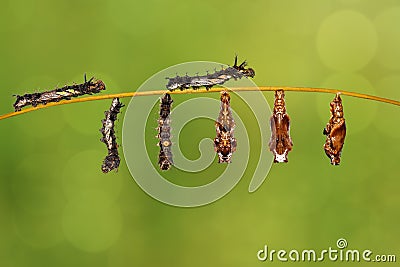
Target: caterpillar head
(249, 72)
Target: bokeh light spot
(388, 87)
(387, 26)
(76, 187)
(346, 41)
(92, 223)
(38, 200)
(359, 113)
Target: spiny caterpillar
(112, 160)
(225, 142)
(91, 86)
(165, 156)
(209, 80)
(335, 131)
(280, 143)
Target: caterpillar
(225, 143)
(280, 143)
(335, 131)
(112, 160)
(164, 133)
(209, 80)
(165, 106)
(91, 86)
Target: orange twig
(236, 89)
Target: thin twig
(190, 91)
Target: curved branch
(191, 91)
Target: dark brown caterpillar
(165, 106)
(164, 133)
(335, 131)
(280, 143)
(225, 142)
(209, 80)
(89, 87)
(112, 159)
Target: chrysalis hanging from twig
(280, 143)
(225, 142)
(209, 80)
(164, 133)
(335, 131)
(112, 160)
(65, 93)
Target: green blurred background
(58, 209)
